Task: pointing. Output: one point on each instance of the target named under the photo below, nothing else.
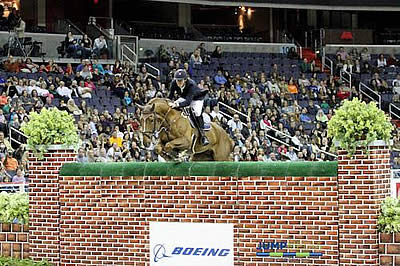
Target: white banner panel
(194, 244)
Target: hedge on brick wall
(14, 208)
(18, 262)
(389, 218)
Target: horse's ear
(141, 107)
(153, 106)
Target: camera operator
(13, 19)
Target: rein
(156, 132)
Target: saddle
(188, 113)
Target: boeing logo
(160, 252)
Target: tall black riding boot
(203, 138)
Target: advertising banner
(194, 244)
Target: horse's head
(154, 119)
(148, 121)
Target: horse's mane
(159, 100)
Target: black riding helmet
(180, 74)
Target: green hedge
(14, 208)
(8, 261)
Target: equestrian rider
(189, 95)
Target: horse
(175, 135)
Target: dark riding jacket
(191, 92)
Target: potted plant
(358, 124)
(50, 127)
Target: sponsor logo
(160, 252)
(264, 248)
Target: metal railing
(156, 72)
(367, 91)
(392, 113)
(326, 62)
(14, 187)
(234, 110)
(343, 74)
(12, 132)
(128, 49)
(75, 27)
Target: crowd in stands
(278, 117)
(84, 47)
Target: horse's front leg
(180, 144)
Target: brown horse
(174, 134)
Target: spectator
(64, 92)
(381, 61)
(378, 84)
(217, 52)
(396, 84)
(365, 55)
(305, 67)
(19, 177)
(73, 108)
(85, 46)
(342, 53)
(82, 158)
(70, 45)
(100, 47)
(392, 61)
(219, 78)
(9, 162)
(195, 58)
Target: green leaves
(8, 261)
(50, 126)
(356, 123)
(389, 218)
(14, 206)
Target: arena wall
(99, 214)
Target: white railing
(12, 130)
(16, 187)
(270, 128)
(367, 91)
(234, 110)
(391, 113)
(328, 63)
(156, 70)
(127, 48)
(343, 74)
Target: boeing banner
(194, 244)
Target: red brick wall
(44, 204)
(389, 249)
(14, 241)
(105, 220)
(364, 181)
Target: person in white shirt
(235, 123)
(32, 86)
(381, 61)
(84, 92)
(100, 46)
(291, 154)
(42, 90)
(215, 114)
(64, 92)
(396, 85)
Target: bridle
(156, 131)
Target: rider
(189, 94)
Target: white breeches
(197, 106)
